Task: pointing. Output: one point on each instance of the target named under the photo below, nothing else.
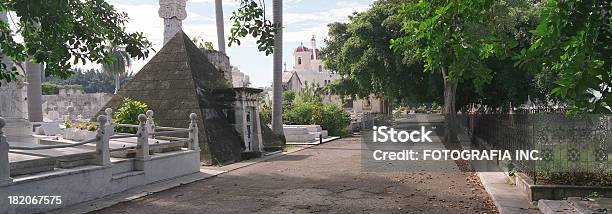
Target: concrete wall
(220, 61)
(55, 107)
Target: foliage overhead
(63, 33)
(574, 41)
(250, 19)
(359, 50)
(455, 35)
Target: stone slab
(59, 152)
(64, 157)
(556, 207)
(22, 164)
(51, 128)
(594, 206)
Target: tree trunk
(450, 112)
(277, 93)
(220, 27)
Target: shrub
(265, 111)
(300, 113)
(329, 116)
(128, 114)
(288, 98)
(333, 119)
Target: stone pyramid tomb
(180, 80)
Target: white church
(308, 69)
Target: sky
(302, 19)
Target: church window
(299, 60)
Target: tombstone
(50, 128)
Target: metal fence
(567, 145)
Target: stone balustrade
(104, 133)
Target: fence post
(111, 122)
(5, 166)
(103, 137)
(142, 149)
(193, 132)
(150, 123)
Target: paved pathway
(324, 178)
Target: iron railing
(567, 145)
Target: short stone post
(111, 122)
(193, 132)
(5, 166)
(150, 123)
(142, 149)
(103, 137)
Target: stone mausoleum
(181, 79)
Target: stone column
(142, 149)
(173, 12)
(34, 79)
(102, 136)
(5, 166)
(220, 26)
(193, 132)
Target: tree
(452, 37)
(573, 41)
(250, 19)
(277, 69)
(118, 66)
(61, 34)
(359, 51)
(92, 81)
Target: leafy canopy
(574, 41)
(454, 35)
(250, 19)
(63, 33)
(359, 51)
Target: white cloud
(299, 26)
(340, 13)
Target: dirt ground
(323, 179)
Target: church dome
(301, 48)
